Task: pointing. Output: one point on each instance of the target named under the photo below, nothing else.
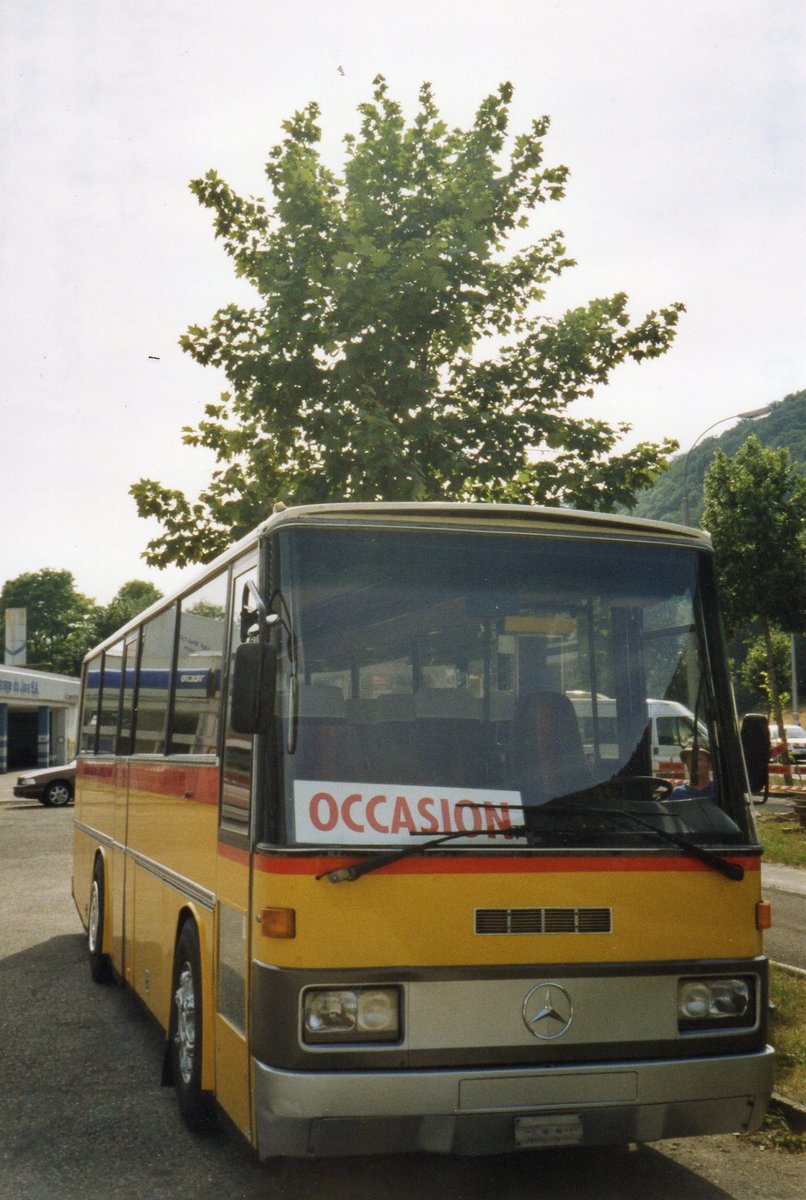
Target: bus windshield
(508, 689)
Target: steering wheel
(658, 785)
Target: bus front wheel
(185, 1033)
(100, 966)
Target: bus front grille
(543, 920)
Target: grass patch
(784, 841)
(776, 1134)
(783, 838)
(788, 1035)
(788, 1026)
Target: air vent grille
(544, 920)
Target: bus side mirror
(756, 747)
(253, 685)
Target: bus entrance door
(233, 927)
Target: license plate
(559, 1130)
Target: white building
(38, 718)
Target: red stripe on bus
(199, 784)
(282, 865)
(233, 853)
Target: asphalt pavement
(783, 879)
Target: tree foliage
(754, 510)
(754, 673)
(63, 624)
(128, 602)
(396, 349)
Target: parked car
(795, 740)
(52, 786)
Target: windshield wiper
(355, 870)
(725, 867)
(619, 816)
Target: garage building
(38, 718)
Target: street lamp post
(746, 416)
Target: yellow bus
(336, 825)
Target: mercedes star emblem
(547, 1010)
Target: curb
(798, 972)
(793, 1113)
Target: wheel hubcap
(185, 1036)
(95, 910)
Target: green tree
(754, 510)
(62, 623)
(128, 602)
(396, 349)
(754, 673)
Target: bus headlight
(361, 1014)
(716, 1003)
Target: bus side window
(110, 701)
(129, 669)
(89, 709)
(156, 658)
(199, 669)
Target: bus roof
(475, 512)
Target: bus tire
(185, 1033)
(100, 966)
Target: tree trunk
(775, 699)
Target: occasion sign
(352, 813)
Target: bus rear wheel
(185, 1033)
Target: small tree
(62, 623)
(754, 673)
(754, 509)
(397, 350)
(127, 602)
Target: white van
(671, 728)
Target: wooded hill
(785, 425)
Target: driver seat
(548, 756)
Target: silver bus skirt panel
(494, 1111)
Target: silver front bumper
(491, 1111)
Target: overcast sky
(683, 123)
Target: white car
(795, 740)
